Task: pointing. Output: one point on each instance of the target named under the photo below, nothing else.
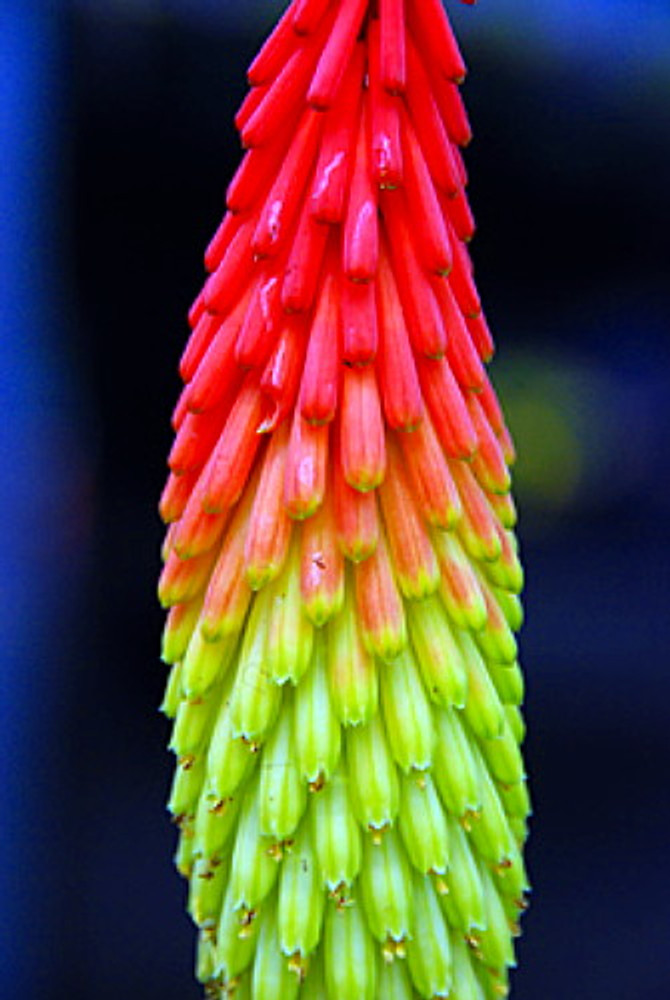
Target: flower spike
(340, 570)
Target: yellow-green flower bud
(483, 710)
(508, 682)
(511, 607)
(283, 793)
(503, 757)
(455, 768)
(506, 572)
(429, 951)
(193, 722)
(516, 723)
(511, 880)
(515, 800)
(407, 713)
(255, 698)
(468, 986)
(349, 957)
(181, 621)
(494, 943)
(236, 937)
(465, 899)
(423, 824)
(254, 864)
(490, 831)
(206, 662)
(204, 962)
(173, 695)
(352, 671)
(289, 630)
(393, 981)
(437, 653)
(230, 758)
(206, 889)
(215, 820)
(314, 987)
(301, 898)
(184, 855)
(188, 779)
(336, 834)
(386, 890)
(315, 725)
(459, 587)
(272, 975)
(373, 775)
(496, 640)
(494, 982)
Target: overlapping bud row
(340, 563)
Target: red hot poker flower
(340, 565)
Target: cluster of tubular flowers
(340, 565)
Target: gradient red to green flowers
(340, 563)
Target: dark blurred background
(116, 148)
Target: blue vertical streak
(29, 482)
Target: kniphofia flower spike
(340, 563)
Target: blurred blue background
(117, 144)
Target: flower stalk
(340, 564)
